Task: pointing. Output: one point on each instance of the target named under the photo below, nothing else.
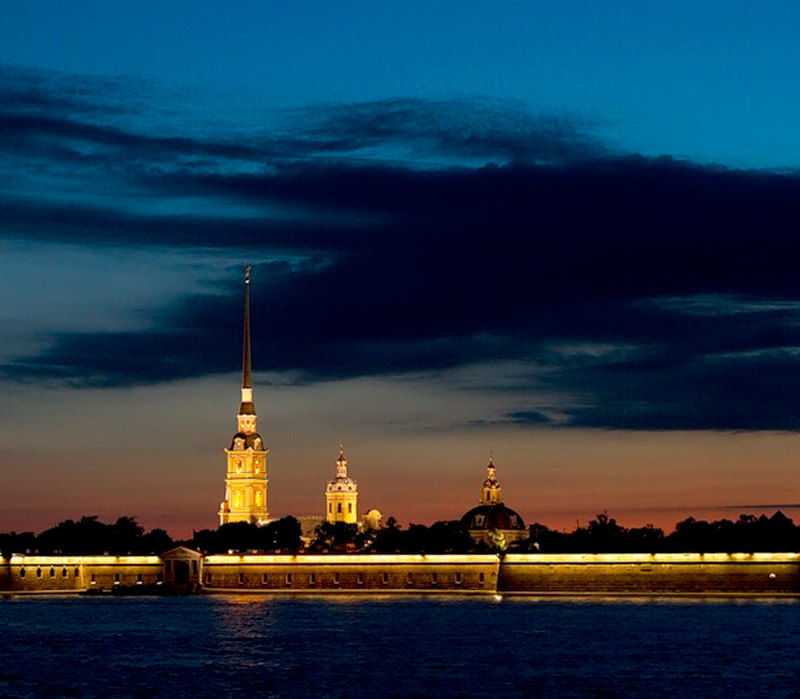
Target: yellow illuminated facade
(246, 477)
(341, 495)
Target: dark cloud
(442, 234)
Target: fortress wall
(687, 573)
(354, 573)
(72, 573)
(765, 573)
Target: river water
(352, 646)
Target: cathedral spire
(246, 380)
(246, 407)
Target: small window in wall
(52, 572)
(288, 578)
(361, 578)
(312, 579)
(139, 578)
(22, 572)
(336, 578)
(434, 578)
(264, 578)
(38, 572)
(93, 579)
(241, 578)
(350, 507)
(480, 578)
(64, 573)
(116, 578)
(77, 572)
(459, 578)
(330, 507)
(338, 507)
(385, 579)
(410, 579)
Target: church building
(246, 476)
(492, 522)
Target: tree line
(603, 534)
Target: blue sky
(517, 228)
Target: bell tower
(341, 495)
(246, 477)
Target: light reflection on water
(348, 645)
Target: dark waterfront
(398, 646)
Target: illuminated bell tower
(491, 492)
(341, 495)
(246, 478)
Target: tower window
(339, 507)
(330, 507)
(77, 572)
(350, 507)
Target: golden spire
(246, 380)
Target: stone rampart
(568, 574)
(351, 573)
(75, 573)
(661, 573)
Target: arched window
(22, 572)
(77, 572)
(339, 507)
(63, 572)
(52, 572)
(38, 572)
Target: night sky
(562, 233)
